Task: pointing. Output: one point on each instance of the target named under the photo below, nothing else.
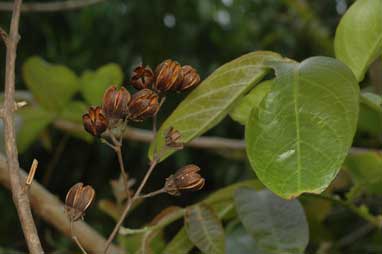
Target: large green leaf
(211, 100)
(244, 106)
(204, 229)
(299, 137)
(277, 225)
(33, 121)
(366, 171)
(370, 114)
(358, 40)
(51, 85)
(94, 83)
(221, 202)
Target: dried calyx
(186, 178)
(78, 199)
(173, 139)
(142, 77)
(144, 104)
(95, 121)
(115, 102)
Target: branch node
(4, 36)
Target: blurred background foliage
(202, 33)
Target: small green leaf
(299, 137)
(240, 242)
(204, 229)
(73, 113)
(244, 106)
(51, 85)
(180, 244)
(277, 225)
(210, 102)
(94, 83)
(358, 40)
(33, 121)
(370, 115)
(366, 171)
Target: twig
(117, 146)
(20, 197)
(152, 194)
(74, 237)
(130, 202)
(211, 143)
(32, 172)
(48, 207)
(355, 235)
(51, 6)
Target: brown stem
(74, 237)
(152, 194)
(129, 203)
(20, 196)
(51, 6)
(49, 208)
(117, 145)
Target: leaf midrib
(297, 120)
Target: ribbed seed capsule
(115, 102)
(191, 78)
(168, 75)
(173, 138)
(94, 121)
(78, 199)
(186, 178)
(142, 77)
(143, 104)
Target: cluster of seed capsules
(121, 105)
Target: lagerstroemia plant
(300, 119)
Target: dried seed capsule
(78, 199)
(172, 138)
(168, 75)
(116, 102)
(144, 104)
(186, 178)
(94, 121)
(142, 77)
(191, 78)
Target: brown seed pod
(115, 102)
(168, 75)
(191, 78)
(78, 199)
(173, 139)
(186, 178)
(142, 77)
(94, 121)
(143, 104)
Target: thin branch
(48, 207)
(211, 143)
(51, 6)
(74, 237)
(152, 194)
(129, 203)
(20, 196)
(32, 172)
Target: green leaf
(51, 85)
(358, 40)
(73, 113)
(370, 115)
(210, 102)
(277, 225)
(94, 83)
(366, 171)
(204, 229)
(299, 137)
(244, 106)
(33, 121)
(180, 244)
(240, 242)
